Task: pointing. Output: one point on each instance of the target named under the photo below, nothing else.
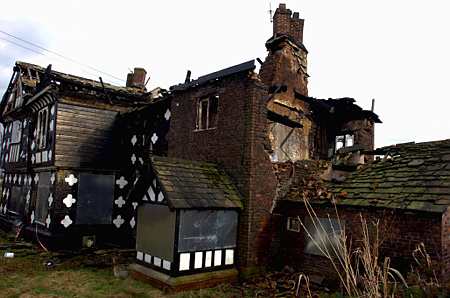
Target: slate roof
(195, 185)
(413, 176)
(246, 66)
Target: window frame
(16, 132)
(345, 137)
(200, 116)
(42, 208)
(15, 143)
(320, 221)
(42, 128)
(293, 227)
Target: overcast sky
(394, 51)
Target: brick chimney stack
(286, 23)
(136, 79)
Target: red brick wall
(284, 22)
(223, 145)
(400, 233)
(238, 145)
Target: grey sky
(394, 51)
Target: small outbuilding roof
(195, 185)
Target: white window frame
(293, 224)
(42, 128)
(16, 140)
(198, 124)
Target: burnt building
(58, 153)
(210, 175)
(246, 124)
(405, 192)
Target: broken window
(323, 236)
(42, 128)
(207, 110)
(344, 141)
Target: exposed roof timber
(330, 105)
(83, 82)
(246, 66)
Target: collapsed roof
(80, 81)
(411, 176)
(338, 107)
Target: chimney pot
(129, 79)
(286, 23)
(136, 79)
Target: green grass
(80, 276)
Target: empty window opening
(344, 141)
(207, 113)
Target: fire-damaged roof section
(246, 66)
(411, 176)
(191, 184)
(338, 106)
(80, 81)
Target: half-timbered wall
(42, 146)
(140, 134)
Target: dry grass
(360, 270)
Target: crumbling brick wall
(364, 132)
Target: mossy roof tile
(197, 185)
